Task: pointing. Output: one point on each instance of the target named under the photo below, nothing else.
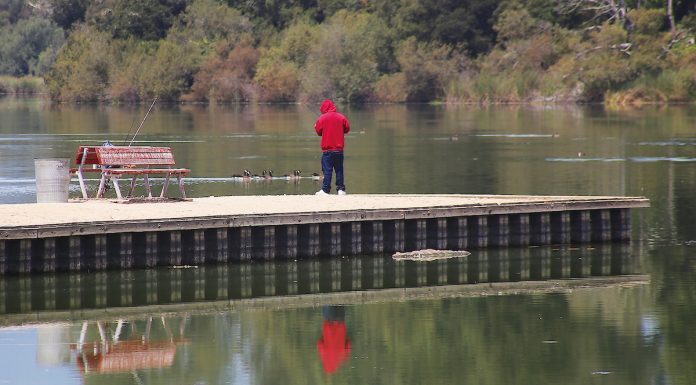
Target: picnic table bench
(114, 162)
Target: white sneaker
(320, 192)
(341, 192)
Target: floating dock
(103, 234)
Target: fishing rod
(143, 122)
(306, 107)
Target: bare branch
(42, 7)
(610, 10)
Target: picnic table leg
(102, 185)
(81, 178)
(132, 187)
(166, 185)
(181, 186)
(114, 179)
(146, 180)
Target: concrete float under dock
(102, 234)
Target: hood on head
(327, 106)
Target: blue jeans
(332, 160)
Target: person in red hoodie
(331, 126)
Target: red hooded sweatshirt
(331, 126)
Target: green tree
(68, 12)
(80, 72)
(344, 64)
(209, 20)
(450, 22)
(515, 24)
(226, 76)
(126, 75)
(169, 72)
(427, 69)
(24, 42)
(143, 19)
(12, 10)
(278, 71)
(277, 14)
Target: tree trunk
(670, 15)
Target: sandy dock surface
(37, 214)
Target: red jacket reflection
(333, 346)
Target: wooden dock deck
(95, 235)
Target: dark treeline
(455, 51)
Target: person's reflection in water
(333, 345)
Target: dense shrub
(127, 83)
(142, 19)
(344, 63)
(515, 24)
(80, 72)
(21, 85)
(278, 70)
(482, 51)
(24, 42)
(210, 21)
(226, 76)
(391, 88)
(11, 11)
(68, 12)
(427, 68)
(169, 72)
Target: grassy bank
(26, 85)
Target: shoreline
(531, 103)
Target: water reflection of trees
(675, 298)
(521, 339)
(524, 339)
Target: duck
(296, 174)
(316, 176)
(267, 174)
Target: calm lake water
(229, 324)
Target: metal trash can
(52, 180)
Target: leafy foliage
(24, 43)
(142, 19)
(449, 22)
(278, 70)
(478, 51)
(226, 77)
(12, 11)
(80, 72)
(343, 64)
(208, 20)
(68, 12)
